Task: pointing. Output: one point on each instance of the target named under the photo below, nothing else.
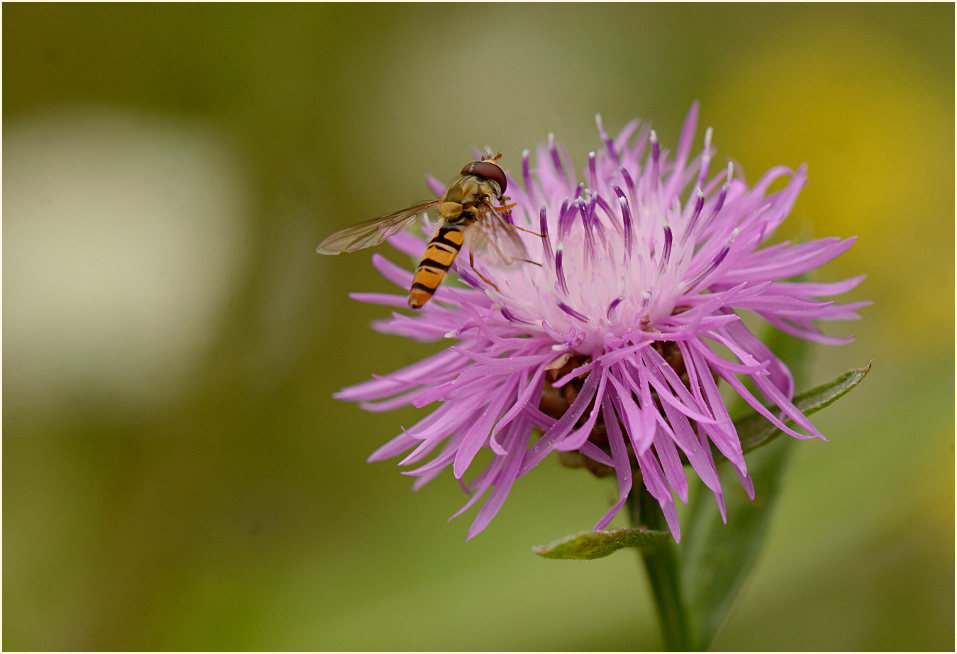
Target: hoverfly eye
(488, 170)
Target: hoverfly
(466, 216)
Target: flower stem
(663, 567)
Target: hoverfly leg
(484, 278)
(528, 231)
(506, 209)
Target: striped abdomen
(435, 263)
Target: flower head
(614, 346)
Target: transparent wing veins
(372, 232)
(496, 237)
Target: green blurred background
(176, 474)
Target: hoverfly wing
(372, 232)
(497, 239)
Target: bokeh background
(176, 474)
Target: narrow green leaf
(717, 558)
(598, 544)
(754, 429)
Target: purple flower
(613, 347)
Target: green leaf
(754, 429)
(717, 558)
(695, 588)
(597, 544)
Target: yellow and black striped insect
(467, 216)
